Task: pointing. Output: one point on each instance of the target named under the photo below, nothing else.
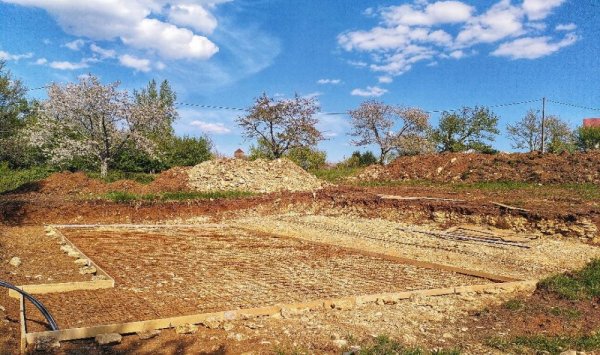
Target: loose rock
(15, 261)
(186, 329)
(108, 339)
(148, 334)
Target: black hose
(35, 302)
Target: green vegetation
(568, 313)
(468, 128)
(116, 175)
(383, 345)
(336, 174)
(584, 191)
(579, 285)
(513, 305)
(13, 179)
(547, 344)
(588, 138)
(125, 197)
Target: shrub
(588, 138)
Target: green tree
(15, 115)
(308, 158)
(527, 134)
(469, 128)
(188, 151)
(588, 138)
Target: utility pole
(543, 121)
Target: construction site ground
(293, 247)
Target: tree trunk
(104, 168)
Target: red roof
(591, 122)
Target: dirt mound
(256, 176)
(530, 167)
(67, 183)
(172, 180)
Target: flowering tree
(392, 128)
(281, 125)
(88, 119)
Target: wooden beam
(510, 207)
(40, 289)
(23, 345)
(134, 327)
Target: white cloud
(169, 40)
(458, 54)
(370, 91)
(16, 57)
(134, 22)
(436, 13)
(501, 21)
(208, 127)
(328, 81)
(312, 95)
(104, 53)
(566, 27)
(41, 61)
(75, 45)
(65, 65)
(139, 64)
(540, 9)
(426, 31)
(533, 47)
(194, 16)
(385, 79)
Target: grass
(383, 345)
(13, 179)
(513, 305)
(126, 197)
(115, 175)
(547, 344)
(582, 284)
(337, 174)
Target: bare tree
(88, 119)
(527, 133)
(281, 125)
(374, 122)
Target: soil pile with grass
(67, 183)
(472, 167)
(260, 176)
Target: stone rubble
(258, 176)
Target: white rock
(108, 339)
(15, 261)
(148, 334)
(340, 343)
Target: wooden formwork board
(503, 283)
(249, 313)
(37, 289)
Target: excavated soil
(472, 167)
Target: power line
(230, 108)
(573, 105)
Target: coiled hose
(35, 302)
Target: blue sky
(429, 54)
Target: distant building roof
(239, 150)
(591, 122)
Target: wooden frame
(38, 289)
(503, 283)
